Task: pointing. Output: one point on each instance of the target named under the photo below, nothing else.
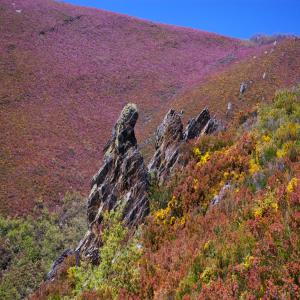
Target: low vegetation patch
(247, 245)
(29, 245)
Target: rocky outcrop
(122, 181)
(202, 124)
(263, 39)
(243, 88)
(196, 125)
(168, 140)
(171, 138)
(218, 198)
(57, 263)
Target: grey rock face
(212, 126)
(218, 198)
(243, 88)
(170, 141)
(122, 180)
(196, 125)
(57, 263)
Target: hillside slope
(224, 227)
(276, 68)
(65, 74)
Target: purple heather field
(66, 72)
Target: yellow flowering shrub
(206, 245)
(292, 185)
(266, 138)
(286, 149)
(267, 204)
(274, 206)
(162, 214)
(181, 221)
(281, 153)
(248, 262)
(208, 274)
(203, 159)
(226, 174)
(288, 132)
(253, 166)
(258, 212)
(197, 152)
(167, 216)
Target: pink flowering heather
(65, 74)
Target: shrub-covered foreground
(29, 245)
(245, 246)
(119, 267)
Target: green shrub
(118, 268)
(159, 197)
(31, 244)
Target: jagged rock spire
(170, 139)
(196, 125)
(121, 181)
(123, 134)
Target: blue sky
(236, 18)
